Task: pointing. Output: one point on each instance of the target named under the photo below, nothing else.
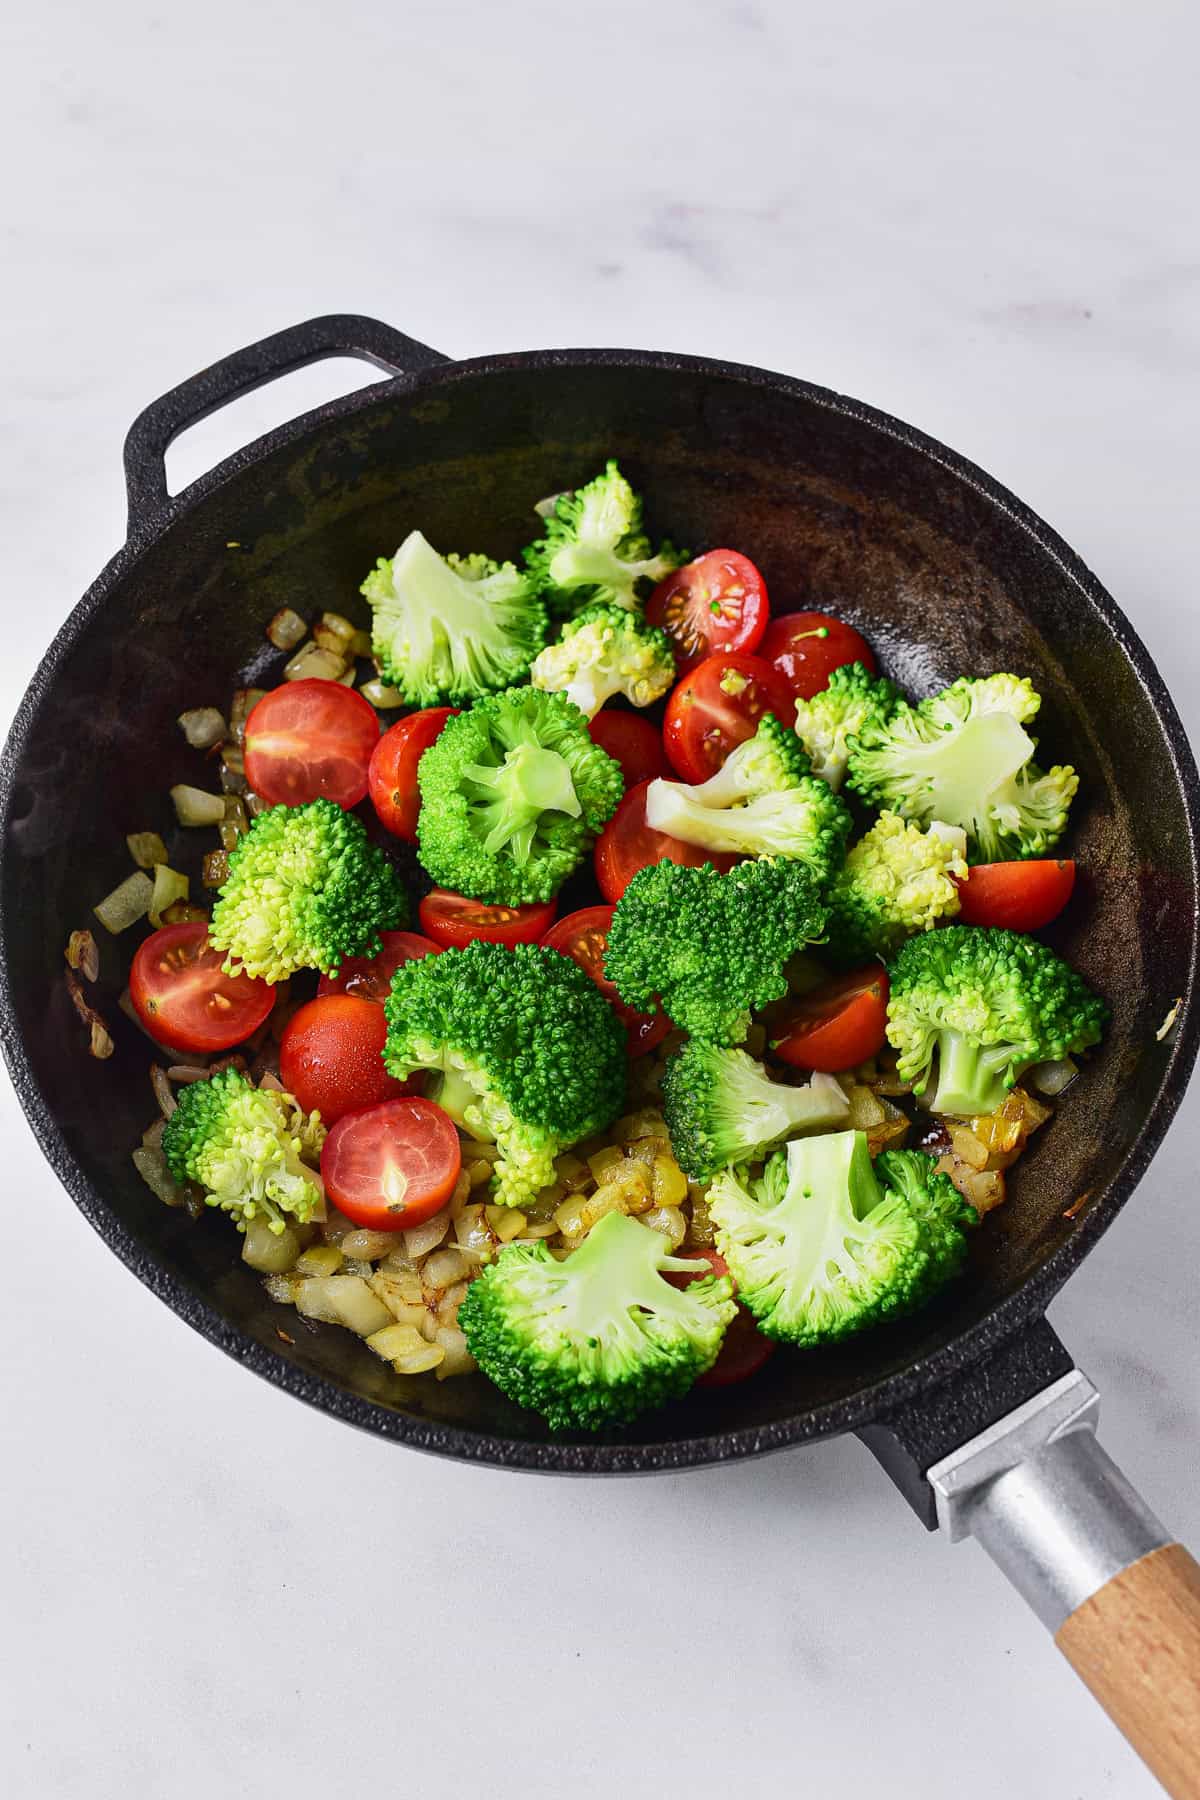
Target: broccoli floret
(722, 1107)
(250, 1148)
(600, 1337)
(512, 794)
(530, 1053)
(709, 947)
(825, 723)
(607, 651)
(305, 888)
(762, 802)
(452, 627)
(895, 881)
(964, 757)
(594, 547)
(972, 1007)
(822, 1244)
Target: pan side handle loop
(336, 334)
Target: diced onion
(152, 1166)
(546, 509)
(334, 632)
(194, 807)
(1052, 1077)
(424, 1238)
(163, 1091)
(370, 1245)
(202, 727)
(286, 629)
(381, 695)
(360, 643)
(169, 886)
(214, 871)
(126, 904)
(244, 703)
(146, 848)
(312, 663)
(270, 1252)
(82, 954)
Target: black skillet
(844, 509)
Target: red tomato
(807, 647)
(583, 936)
(310, 740)
(452, 921)
(330, 1056)
(1022, 896)
(745, 1349)
(718, 602)
(392, 775)
(628, 844)
(371, 976)
(837, 1026)
(717, 706)
(183, 998)
(393, 1166)
(633, 741)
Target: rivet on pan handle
(336, 334)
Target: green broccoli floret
(594, 548)
(305, 888)
(964, 757)
(512, 794)
(250, 1148)
(600, 1337)
(451, 627)
(607, 651)
(762, 802)
(824, 1244)
(972, 1007)
(529, 1052)
(895, 881)
(709, 947)
(722, 1107)
(825, 723)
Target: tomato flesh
(744, 1349)
(628, 844)
(453, 921)
(331, 1056)
(371, 976)
(310, 740)
(633, 742)
(716, 707)
(718, 602)
(583, 936)
(392, 1166)
(837, 1026)
(805, 648)
(1021, 896)
(392, 775)
(183, 997)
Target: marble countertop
(981, 219)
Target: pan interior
(842, 515)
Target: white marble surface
(982, 218)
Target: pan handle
(336, 334)
(1080, 1544)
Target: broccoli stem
(455, 1095)
(971, 1079)
(509, 799)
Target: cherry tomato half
(628, 844)
(745, 1349)
(392, 776)
(1022, 896)
(837, 1026)
(310, 740)
(583, 937)
(453, 921)
(331, 1056)
(371, 976)
(633, 742)
(185, 1000)
(393, 1166)
(807, 647)
(717, 706)
(718, 602)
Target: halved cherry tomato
(371, 976)
(453, 921)
(717, 706)
(628, 844)
(392, 775)
(331, 1056)
(183, 997)
(310, 740)
(1021, 896)
(807, 647)
(718, 602)
(837, 1026)
(583, 936)
(393, 1166)
(745, 1349)
(633, 741)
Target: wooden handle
(1136, 1643)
